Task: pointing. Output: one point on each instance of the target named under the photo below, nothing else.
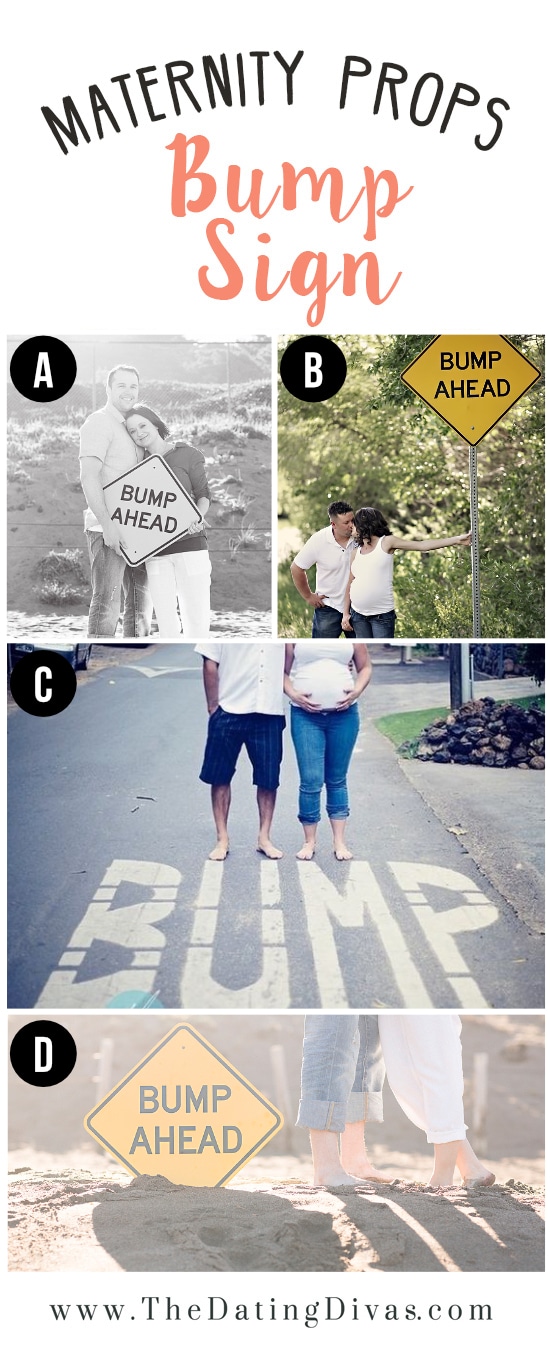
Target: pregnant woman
(180, 575)
(323, 681)
(369, 604)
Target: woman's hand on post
(464, 540)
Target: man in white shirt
(331, 550)
(244, 696)
(106, 452)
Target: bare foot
(366, 1171)
(219, 853)
(333, 1176)
(268, 849)
(343, 854)
(479, 1182)
(306, 853)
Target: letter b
(313, 369)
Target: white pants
(184, 579)
(423, 1058)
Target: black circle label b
(313, 369)
(43, 683)
(43, 369)
(43, 1053)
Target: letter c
(42, 694)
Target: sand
(75, 1220)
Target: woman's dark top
(187, 465)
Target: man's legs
(327, 622)
(266, 807)
(138, 605)
(342, 1075)
(108, 569)
(221, 801)
(263, 737)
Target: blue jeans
(373, 625)
(323, 742)
(110, 574)
(327, 622)
(342, 1072)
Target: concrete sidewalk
(501, 811)
(498, 816)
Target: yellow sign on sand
(471, 382)
(185, 1113)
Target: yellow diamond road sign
(151, 508)
(185, 1113)
(470, 381)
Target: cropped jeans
(342, 1072)
(110, 575)
(323, 742)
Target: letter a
(43, 372)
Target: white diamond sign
(151, 508)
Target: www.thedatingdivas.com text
(308, 1314)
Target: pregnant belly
(327, 682)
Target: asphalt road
(110, 892)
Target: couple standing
(175, 583)
(244, 687)
(345, 1060)
(353, 556)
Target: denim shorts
(262, 736)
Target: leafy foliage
(376, 444)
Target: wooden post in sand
(282, 1094)
(480, 1092)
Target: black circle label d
(43, 1053)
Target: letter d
(39, 1066)
(313, 367)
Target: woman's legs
(162, 585)
(193, 572)
(423, 1060)
(308, 738)
(342, 729)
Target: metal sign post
(471, 382)
(474, 518)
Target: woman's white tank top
(323, 670)
(372, 585)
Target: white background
(92, 247)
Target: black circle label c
(43, 683)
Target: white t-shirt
(372, 585)
(332, 565)
(324, 670)
(250, 676)
(104, 436)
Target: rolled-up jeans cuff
(446, 1135)
(326, 1115)
(365, 1105)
